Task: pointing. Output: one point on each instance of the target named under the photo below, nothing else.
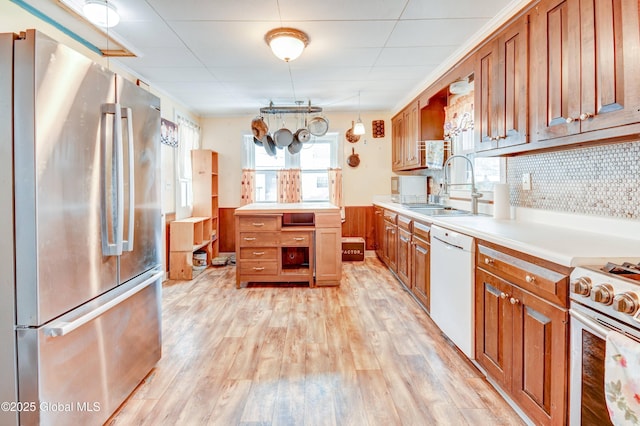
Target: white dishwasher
(452, 286)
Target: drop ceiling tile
(341, 9)
(184, 74)
(220, 10)
(431, 32)
(428, 9)
(159, 57)
(414, 56)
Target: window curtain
(289, 186)
(335, 186)
(248, 186)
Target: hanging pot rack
(298, 109)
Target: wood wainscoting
(359, 222)
(168, 218)
(227, 233)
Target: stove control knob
(602, 293)
(627, 302)
(581, 286)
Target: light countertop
(562, 245)
(286, 208)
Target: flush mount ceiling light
(358, 129)
(286, 43)
(101, 13)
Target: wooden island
(289, 242)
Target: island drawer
(259, 268)
(297, 238)
(259, 239)
(258, 253)
(259, 223)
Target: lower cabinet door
(328, 256)
(421, 270)
(540, 337)
(494, 327)
(404, 256)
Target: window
(316, 156)
(189, 137)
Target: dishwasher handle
(448, 244)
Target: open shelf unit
(199, 232)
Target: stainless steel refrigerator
(80, 234)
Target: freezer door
(8, 384)
(59, 95)
(92, 358)
(142, 229)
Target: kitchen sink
(441, 212)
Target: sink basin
(423, 206)
(440, 211)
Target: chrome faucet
(474, 193)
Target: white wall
(360, 184)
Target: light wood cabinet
(288, 246)
(502, 88)
(521, 337)
(586, 67)
(204, 163)
(421, 264)
(187, 236)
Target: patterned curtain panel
(248, 186)
(335, 187)
(289, 186)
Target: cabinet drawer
(405, 223)
(421, 230)
(390, 216)
(527, 274)
(259, 253)
(259, 223)
(295, 238)
(259, 239)
(259, 268)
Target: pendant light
(358, 129)
(286, 43)
(101, 13)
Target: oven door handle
(591, 324)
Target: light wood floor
(363, 353)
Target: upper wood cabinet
(586, 67)
(406, 154)
(501, 80)
(421, 120)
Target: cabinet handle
(249, 238)
(488, 261)
(530, 278)
(258, 224)
(299, 238)
(514, 301)
(585, 115)
(503, 295)
(258, 268)
(258, 253)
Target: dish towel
(622, 379)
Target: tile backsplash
(599, 181)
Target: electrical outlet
(526, 181)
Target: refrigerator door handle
(62, 327)
(127, 245)
(111, 210)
